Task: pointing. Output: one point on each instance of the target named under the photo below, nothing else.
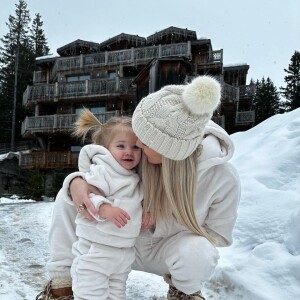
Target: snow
(46, 56)
(262, 264)
(9, 155)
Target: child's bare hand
(116, 215)
(147, 221)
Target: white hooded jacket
(218, 189)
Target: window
(98, 109)
(112, 75)
(78, 78)
(93, 109)
(75, 148)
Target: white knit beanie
(171, 121)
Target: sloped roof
(172, 32)
(77, 47)
(135, 40)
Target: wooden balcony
(230, 93)
(49, 160)
(234, 93)
(245, 117)
(40, 77)
(247, 91)
(210, 58)
(121, 57)
(77, 89)
(53, 123)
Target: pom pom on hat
(202, 95)
(171, 121)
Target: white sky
(263, 262)
(261, 33)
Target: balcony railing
(230, 93)
(129, 56)
(211, 57)
(86, 88)
(245, 117)
(39, 77)
(247, 91)
(49, 160)
(50, 123)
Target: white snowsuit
(171, 248)
(104, 253)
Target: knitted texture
(171, 121)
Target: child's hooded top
(120, 187)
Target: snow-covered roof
(46, 56)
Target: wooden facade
(110, 78)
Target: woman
(191, 192)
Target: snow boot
(61, 290)
(174, 294)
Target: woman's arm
(79, 192)
(225, 188)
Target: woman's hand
(116, 215)
(80, 190)
(147, 221)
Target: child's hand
(116, 215)
(147, 221)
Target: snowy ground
(262, 264)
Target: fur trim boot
(57, 289)
(174, 294)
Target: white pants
(99, 272)
(190, 259)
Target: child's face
(124, 149)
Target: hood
(217, 145)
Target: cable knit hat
(171, 121)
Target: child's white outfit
(104, 253)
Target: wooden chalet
(111, 77)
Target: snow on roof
(235, 65)
(46, 56)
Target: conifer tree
(18, 50)
(37, 35)
(292, 90)
(15, 44)
(267, 100)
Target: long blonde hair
(102, 133)
(170, 189)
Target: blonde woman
(191, 191)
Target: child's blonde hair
(102, 133)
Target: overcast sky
(262, 33)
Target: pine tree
(37, 35)
(20, 46)
(267, 100)
(15, 45)
(292, 90)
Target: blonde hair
(102, 133)
(170, 189)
